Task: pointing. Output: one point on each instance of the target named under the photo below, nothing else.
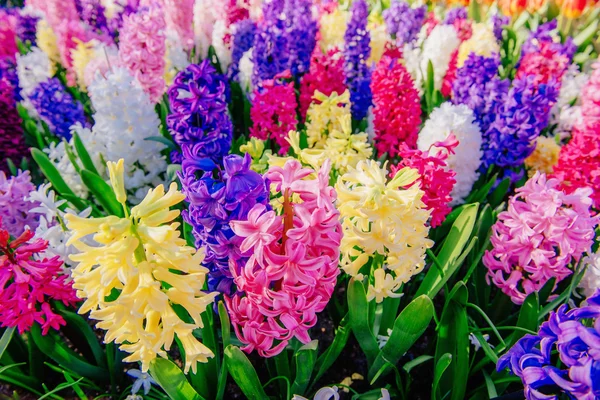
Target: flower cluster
(199, 118)
(436, 180)
(27, 285)
(15, 210)
(575, 334)
(57, 107)
(374, 214)
(397, 107)
(292, 272)
(538, 236)
(243, 40)
(12, 143)
(403, 22)
(544, 157)
(325, 74)
(356, 52)
(143, 259)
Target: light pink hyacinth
(292, 272)
(142, 49)
(179, 16)
(538, 236)
(590, 101)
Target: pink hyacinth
(431, 22)
(436, 180)
(142, 49)
(292, 272)
(397, 106)
(450, 76)
(541, 233)
(590, 102)
(545, 65)
(179, 18)
(326, 74)
(27, 285)
(274, 111)
(60, 11)
(8, 43)
(464, 28)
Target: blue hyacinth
(403, 22)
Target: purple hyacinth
(575, 334)
(356, 53)
(244, 32)
(525, 113)
(12, 142)
(199, 115)
(499, 22)
(26, 27)
(478, 87)
(15, 210)
(218, 194)
(301, 30)
(92, 13)
(403, 22)
(455, 14)
(544, 33)
(57, 107)
(8, 71)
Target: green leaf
(5, 339)
(451, 250)
(496, 197)
(409, 326)
(54, 347)
(547, 290)
(172, 380)
(83, 154)
(60, 387)
(489, 383)
(416, 362)
(326, 360)
(358, 310)
(440, 366)
(172, 170)
(485, 346)
(161, 139)
(586, 35)
(528, 318)
(102, 192)
(244, 374)
(52, 174)
(453, 338)
(81, 326)
(475, 11)
(306, 356)
(7, 367)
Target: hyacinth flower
(273, 111)
(26, 26)
(57, 107)
(575, 334)
(15, 210)
(324, 115)
(436, 180)
(325, 75)
(397, 107)
(199, 116)
(374, 214)
(546, 64)
(217, 195)
(244, 33)
(544, 157)
(142, 49)
(357, 51)
(332, 27)
(294, 265)
(537, 238)
(28, 285)
(92, 12)
(12, 142)
(403, 22)
(270, 54)
(142, 258)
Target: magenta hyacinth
(292, 272)
(540, 234)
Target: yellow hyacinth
(332, 29)
(544, 157)
(136, 271)
(482, 42)
(324, 117)
(379, 38)
(46, 41)
(382, 220)
(82, 54)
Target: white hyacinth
(176, 58)
(205, 16)
(246, 68)
(222, 48)
(591, 279)
(566, 112)
(124, 119)
(459, 120)
(438, 48)
(33, 68)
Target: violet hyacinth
(8, 71)
(544, 34)
(403, 22)
(356, 53)
(92, 12)
(26, 27)
(15, 210)
(218, 194)
(270, 53)
(455, 14)
(301, 30)
(575, 334)
(478, 87)
(510, 139)
(12, 142)
(243, 39)
(57, 107)
(199, 116)
(499, 22)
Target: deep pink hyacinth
(538, 236)
(8, 43)
(397, 106)
(292, 272)
(273, 111)
(436, 179)
(545, 65)
(450, 76)
(142, 49)
(326, 74)
(27, 285)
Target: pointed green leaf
(440, 367)
(326, 360)
(528, 318)
(306, 356)
(102, 192)
(358, 309)
(172, 380)
(83, 154)
(5, 339)
(161, 139)
(243, 373)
